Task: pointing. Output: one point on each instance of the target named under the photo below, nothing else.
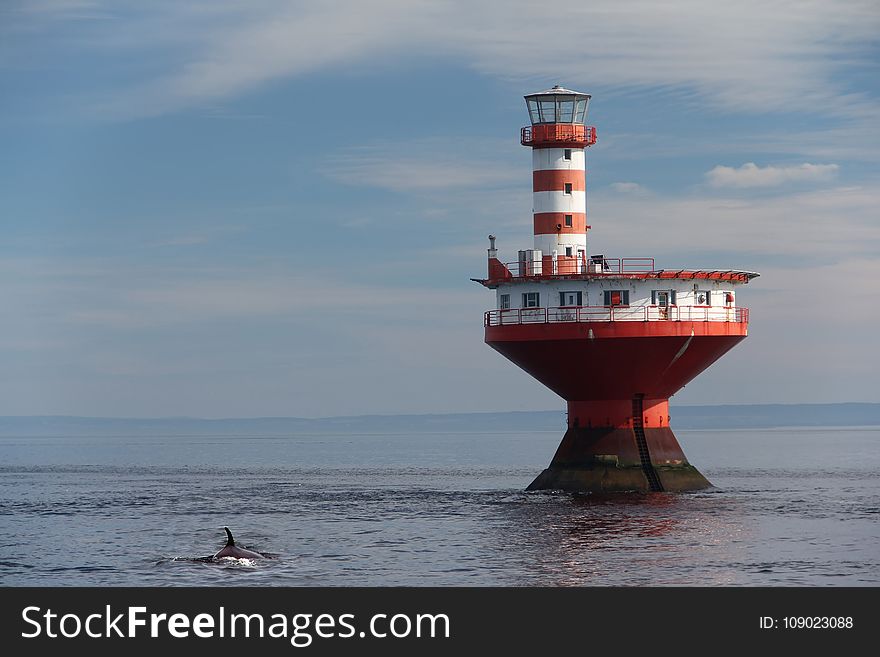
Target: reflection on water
(630, 539)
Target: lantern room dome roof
(557, 91)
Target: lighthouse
(614, 337)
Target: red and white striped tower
(558, 138)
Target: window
(504, 301)
(566, 110)
(568, 188)
(533, 111)
(663, 297)
(567, 154)
(702, 298)
(531, 300)
(581, 111)
(548, 110)
(568, 251)
(570, 299)
(616, 297)
(568, 220)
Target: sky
(239, 208)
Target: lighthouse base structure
(626, 445)
(609, 459)
(618, 380)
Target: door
(663, 303)
(569, 301)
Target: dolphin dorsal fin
(230, 541)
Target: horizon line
(427, 414)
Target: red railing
(621, 265)
(568, 266)
(511, 316)
(550, 133)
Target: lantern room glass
(534, 116)
(566, 110)
(548, 109)
(557, 108)
(581, 113)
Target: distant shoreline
(727, 417)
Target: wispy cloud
(59, 9)
(748, 55)
(149, 301)
(427, 164)
(202, 235)
(183, 240)
(104, 332)
(816, 225)
(751, 175)
(628, 188)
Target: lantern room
(557, 105)
(557, 117)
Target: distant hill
(775, 415)
(683, 417)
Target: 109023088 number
(817, 622)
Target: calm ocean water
(790, 507)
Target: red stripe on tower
(555, 180)
(560, 222)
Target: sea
(789, 507)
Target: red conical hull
(620, 360)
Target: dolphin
(233, 551)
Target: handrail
(564, 314)
(553, 133)
(567, 266)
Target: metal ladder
(642, 443)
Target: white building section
(615, 299)
(561, 243)
(559, 201)
(554, 159)
(641, 292)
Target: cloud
(745, 56)
(853, 139)
(426, 165)
(628, 188)
(241, 46)
(183, 240)
(59, 9)
(105, 335)
(248, 298)
(751, 175)
(800, 352)
(201, 235)
(815, 225)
